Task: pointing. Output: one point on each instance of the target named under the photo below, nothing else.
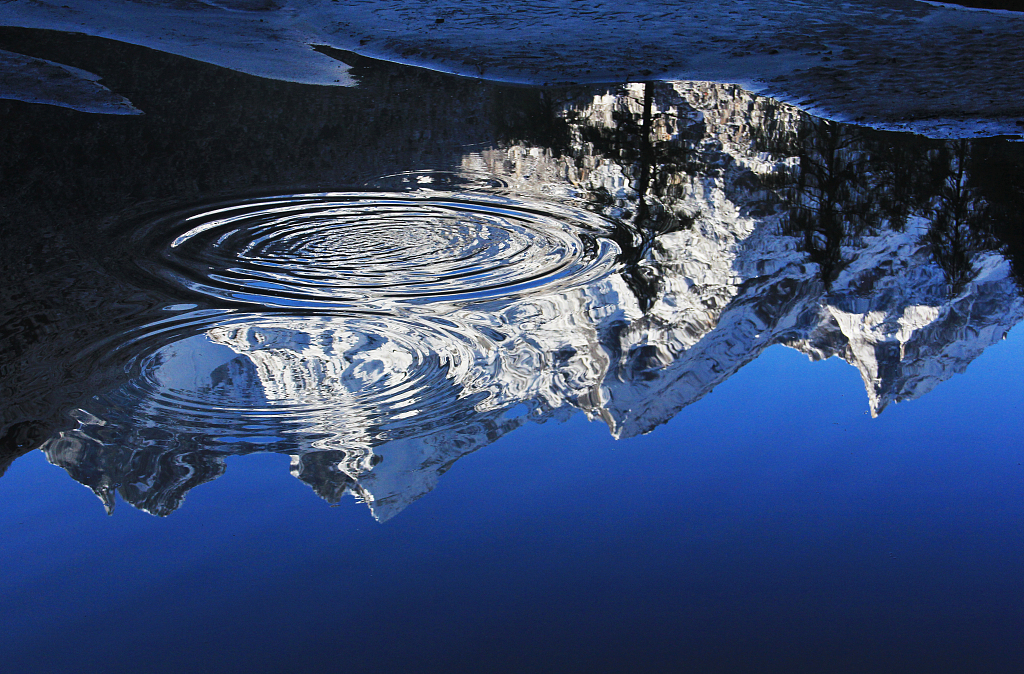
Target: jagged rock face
(715, 266)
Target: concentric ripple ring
(356, 380)
(334, 250)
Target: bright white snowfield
(896, 64)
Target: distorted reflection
(618, 252)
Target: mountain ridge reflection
(728, 223)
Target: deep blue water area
(774, 525)
(433, 374)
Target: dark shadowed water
(746, 384)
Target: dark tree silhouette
(958, 230)
(828, 196)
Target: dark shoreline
(1007, 5)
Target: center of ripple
(322, 251)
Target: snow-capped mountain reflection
(738, 223)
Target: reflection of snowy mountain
(380, 406)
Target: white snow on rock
(896, 64)
(266, 39)
(33, 80)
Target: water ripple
(352, 381)
(344, 250)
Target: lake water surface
(436, 374)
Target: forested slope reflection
(701, 225)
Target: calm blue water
(430, 374)
(773, 525)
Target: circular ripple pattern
(323, 251)
(351, 381)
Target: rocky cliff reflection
(621, 257)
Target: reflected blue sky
(226, 284)
(774, 521)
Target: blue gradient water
(265, 410)
(774, 522)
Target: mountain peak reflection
(673, 233)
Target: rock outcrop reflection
(683, 228)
